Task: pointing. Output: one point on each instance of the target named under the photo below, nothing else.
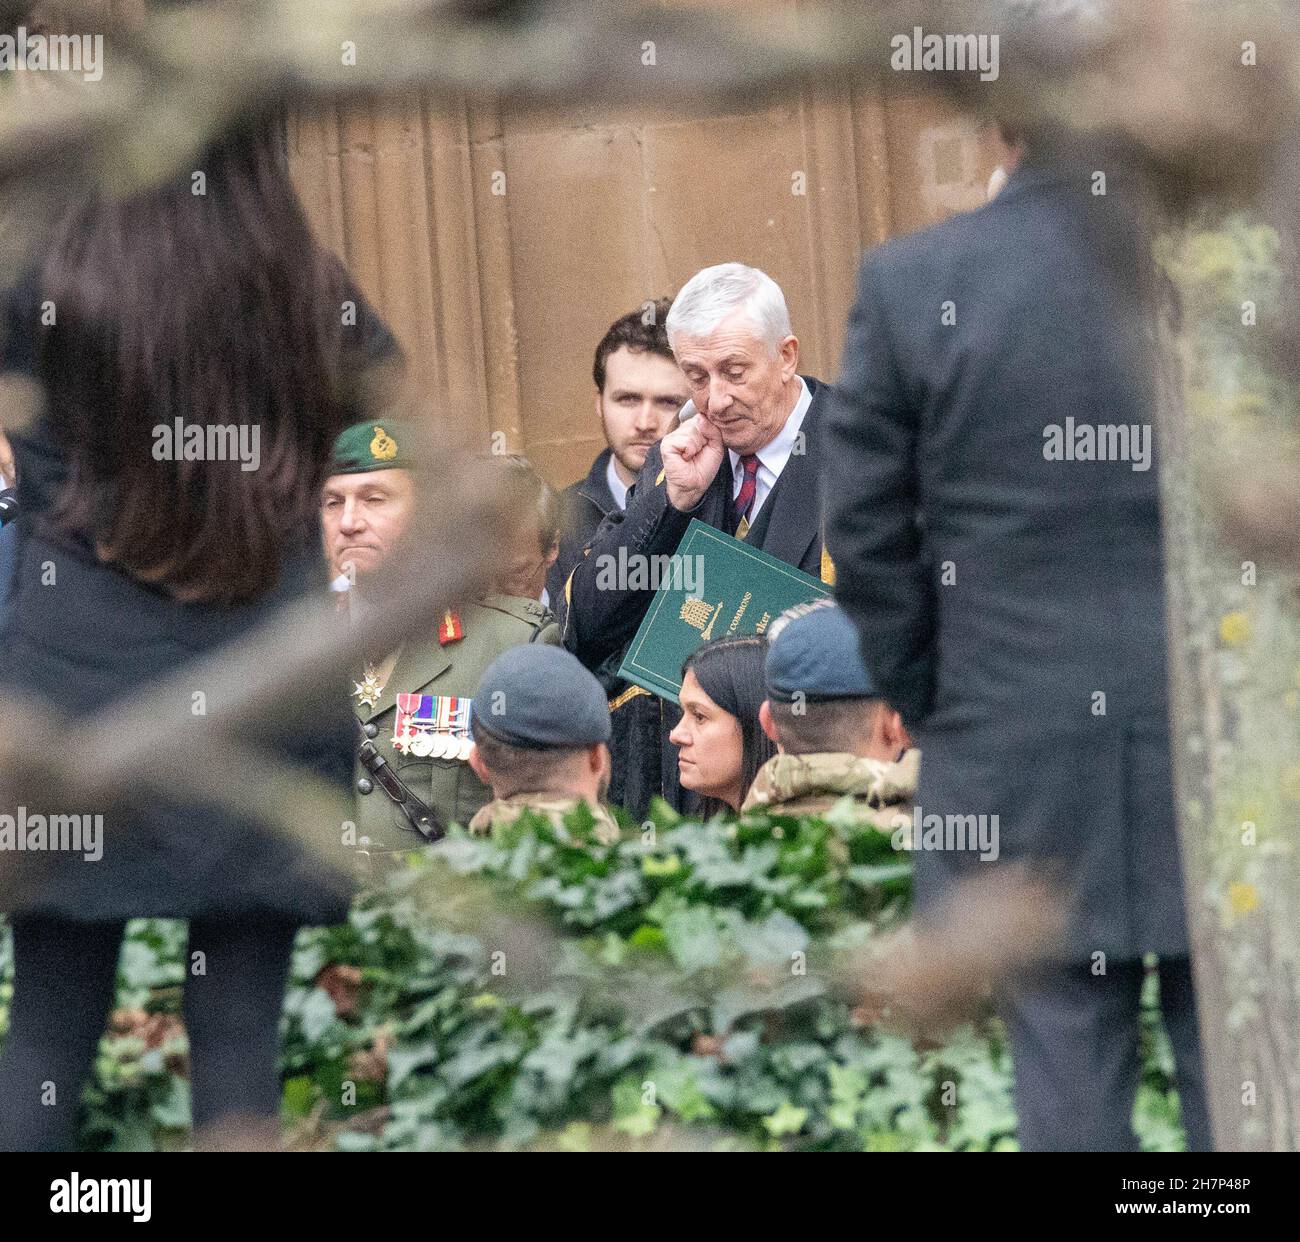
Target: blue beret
(816, 653)
(540, 697)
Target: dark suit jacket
(583, 506)
(998, 592)
(601, 623)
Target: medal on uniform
(422, 744)
(369, 689)
(433, 726)
(402, 741)
(443, 744)
(462, 740)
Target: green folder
(717, 586)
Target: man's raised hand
(691, 455)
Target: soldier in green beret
(838, 738)
(413, 704)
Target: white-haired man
(743, 459)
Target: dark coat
(583, 506)
(996, 591)
(92, 635)
(601, 623)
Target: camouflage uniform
(882, 793)
(504, 811)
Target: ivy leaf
(297, 1096)
(880, 874)
(403, 1062)
(172, 1112)
(316, 1014)
(692, 938)
(786, 1120)
(576, 1136)
(632, 1115)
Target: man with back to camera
(1009, 601)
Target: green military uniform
(502, 812)
(445, 667)
(881, 793)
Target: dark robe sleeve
(602, 617)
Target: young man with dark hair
(639, 392)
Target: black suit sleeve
(603, 614)
(871, 491)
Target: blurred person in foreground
(541, 741)
(995, 524)
(219, 312)
(534, 541)
(840, 743)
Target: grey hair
(714, 293)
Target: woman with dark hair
(153, 323)
(721, 744)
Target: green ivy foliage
(539, 989)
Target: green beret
(377, 444)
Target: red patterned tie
(745, 497)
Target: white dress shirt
(772, 459)
(617, 488)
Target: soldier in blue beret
(837, 737)
(541, 740)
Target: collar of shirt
(772, 458)
(617, 488)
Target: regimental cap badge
(373, 446)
